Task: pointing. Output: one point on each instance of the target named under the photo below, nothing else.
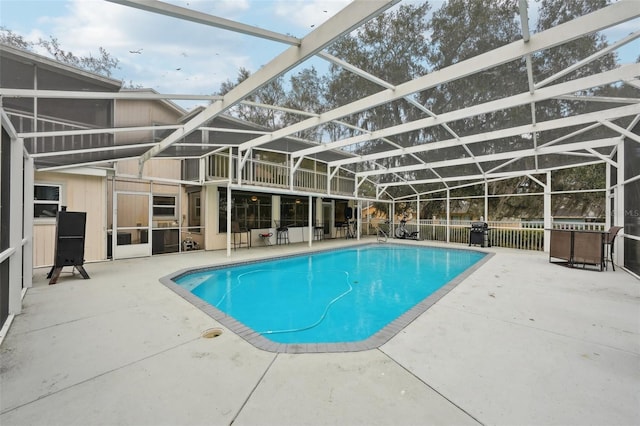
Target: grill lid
(479, 225)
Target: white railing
(270, 174)
(24, 123)
(277, 175)
(579, 226)
(524, 235)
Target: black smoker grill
(479, 234)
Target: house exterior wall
(164, 169)
(214, 240)
(139, 113)
(81, 193)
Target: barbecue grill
(479, 234)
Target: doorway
(132, 217)
(327, 218)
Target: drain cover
(211, 333)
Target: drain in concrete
(211, 333)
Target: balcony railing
(277, 175)
(26, 123)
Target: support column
(392, 219)
(448, 216)
(618, 252)
(229, 211)
(608, 196)
(27, 249)
(238, 168)
(358, 218)
(486, 201)
(548, 220)
(202, 169)
(310, 221)
(16, 216)
(418, 216)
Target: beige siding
(79, 193)
(140, 113)
(144, 113)
(164, 169)
(213, 239)
(44, 242)
(132, 113)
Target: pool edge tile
(260, 341)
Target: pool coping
(373, 342)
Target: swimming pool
(348, 299)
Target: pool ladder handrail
(382, 235)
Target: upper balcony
(311, 177)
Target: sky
(173, 56)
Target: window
(249, 210)
(164, 205)
(294, 211)
(46, 200)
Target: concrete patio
(520, 341)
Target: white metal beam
(29, 135)
(72, 94)
(607, 99)
(607, 77)
(610, 48)
(515, 155)
(186, 14)
(509, 132)
(524, 20)
(629, 134)
(342, 23)
(614, 14)
(480, 179)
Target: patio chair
(238, 233)
(266, 238)
(609, 239)
(282, 233)
(318, 231)
(588, 249)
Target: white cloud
(305, 13)
(217, 7)
(174, 56)
(90, 24)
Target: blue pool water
(338, 296)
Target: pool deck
(520, 341)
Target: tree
(553, 13)
(306, 94)
(392, 47)
(10, 38)
(460, 30)
(270, 94)
(404, 44)
(103, 64)
(552, 61)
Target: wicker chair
(610, 238)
